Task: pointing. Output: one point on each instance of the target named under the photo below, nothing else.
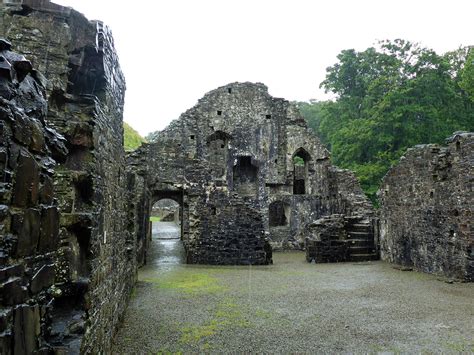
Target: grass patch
(155, 219)
(188, 282)
(227, 315)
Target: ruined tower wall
(427, 206)
(96, 263)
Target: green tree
(467, 75)
(389, 98)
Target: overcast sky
(174, 51)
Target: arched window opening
(300, 171)
(245, 176)
(278, 214)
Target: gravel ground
(292, 307)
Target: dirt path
(292, 306)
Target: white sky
(174, 51)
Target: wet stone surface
(291, 306)
(166, 249)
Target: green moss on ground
(227, 314)
(188, 282)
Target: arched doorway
(166, 224)
(165, 211)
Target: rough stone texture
(427, 208)
(29, 213)
(338, 238)
(327, 240)
(74, 218)
(230, 163)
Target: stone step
(362, 244)
(356, 236)
(360, 227)
(352, 232)
(359, 234)
(363, 257)
(361, 250)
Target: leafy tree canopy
(389, 98)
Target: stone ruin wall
(77, 305)
(29, 217)
(198, 159)
(427, 209)
(74, 211)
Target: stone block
(13, 292)
(43, 278)
(49, 234)
(26, 326)
(26, 185)
(27, 228)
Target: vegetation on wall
(131, 138)
(389, 98)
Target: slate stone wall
(427, 208)
(237, 145)
(29, 211)
(95, 260)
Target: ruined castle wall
(239, 143)
(427, 207)
(96, 262)
(29, 211)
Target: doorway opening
(166, 221)
(165, 211)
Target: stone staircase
(361, 239)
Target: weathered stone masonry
(248, 174)
(29, 214)
(73, 215)
(428, 207)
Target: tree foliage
(131, 138)
(390, 98)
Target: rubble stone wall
(95, 256)
(238, 145)
(427, 209)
